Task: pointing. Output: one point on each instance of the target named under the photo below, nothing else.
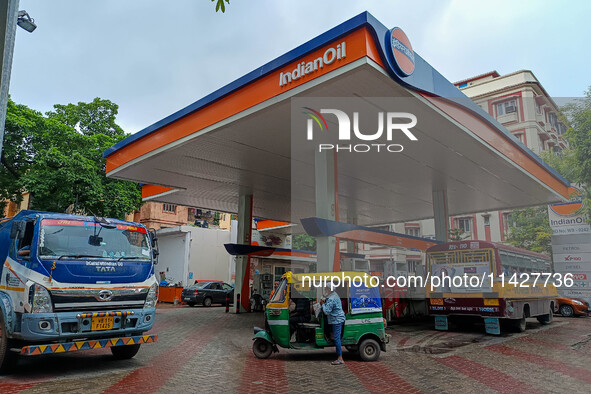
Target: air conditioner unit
(510, 109)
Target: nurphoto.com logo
(393, 124)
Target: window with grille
(170, 208)
(464, 224)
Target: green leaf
(220, 5)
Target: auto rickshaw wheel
(262, 348)
(369, 350)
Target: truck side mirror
(154, 242)
(153, 238)
(18, 229)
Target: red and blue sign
(402, 53)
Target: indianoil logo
(392, 124)
(330, 56)
(567, 209)
(402, 53)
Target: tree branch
(9, 167)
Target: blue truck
(71, 283)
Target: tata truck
(71, 283)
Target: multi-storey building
(520, 103)
(158, 215)
(163, 215)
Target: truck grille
(98, 299)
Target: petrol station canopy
(237, 140)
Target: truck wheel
(519, 325)
(125, 352)
(369, 350)
(545, 319)
(207, 302)
(262, 348)
(7, 358)
(566, 311)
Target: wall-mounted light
(26, 22)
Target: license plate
(102, 323)
(491, 301)
(187, 299)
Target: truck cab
(71, 282)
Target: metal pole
(8, 18)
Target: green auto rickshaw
(364, 329)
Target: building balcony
(543, 134)
(548, 127)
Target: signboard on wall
(571, 247)
(267, 238)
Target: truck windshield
(76, 239)
(463, 263)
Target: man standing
(332, 308)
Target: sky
(154, 57)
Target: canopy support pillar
(326, 208)
(440, 214)
(242, 276)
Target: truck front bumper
(63, 326)
(35, 350)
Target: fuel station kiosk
(233, 150)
